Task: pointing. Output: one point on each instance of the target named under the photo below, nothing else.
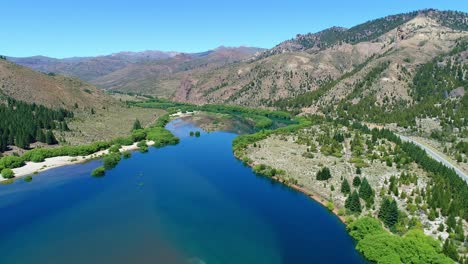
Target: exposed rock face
(459, 92)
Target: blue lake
(189, 203)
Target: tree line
(22, 123)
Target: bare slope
(56, 91)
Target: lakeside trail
(54, 162)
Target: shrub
(123, 141)
(28, 178)
(380, 246)
(8, 173)
(37, 157)
(114, 149)
(111, 160)
(127, 154)
(99, 171)
(161, 137)
(11, 162)
(138, 135)
(142, 146)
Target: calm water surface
(190, 203)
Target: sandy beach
(54, 162)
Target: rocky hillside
(142, 72)
(372, 63)
(163, 77)
(55, 91)
(89, 68)
(380, 59)
(365, 32)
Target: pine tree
(323, 174)
(137, 125)
(358, 171)
(40, 136)
(450, 250)
(356, 181)
(50, 138)
(353, 203)
(366, 192)
(388, 212)
(345, 188)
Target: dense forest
(22, 124)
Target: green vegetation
(197, 133)
(261, 119)
(126, 154)
(142, 146)
(115, 148)
(22, 123)
(388, 212)
(137, 125)
(345, 188)
(323, 174)
(161, 136)
(7, 174)
(28, 178)
(111, 160)
(366, 192)
(98, 172)
(353, 204)
(356, 181)
(156, 132)
(378, 245)
(268, 171)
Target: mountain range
(378, 59)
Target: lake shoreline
(32, 168)
(317, 198)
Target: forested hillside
(22, 124)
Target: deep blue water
(190, 203)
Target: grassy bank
(156, 133)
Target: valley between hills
(345, 116)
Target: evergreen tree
(356, 181)
(451, 222)
(324, 174)
(345, 188)
(137, 125)
(388, 212)
(22, 123)
(353, 203)
(50, 138)
(366, 192)
(40, 136)
(358, 171)
(450, 250)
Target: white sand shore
(49, 163)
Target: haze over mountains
(377, 59)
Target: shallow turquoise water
(190, 203)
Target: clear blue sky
(94, 27)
